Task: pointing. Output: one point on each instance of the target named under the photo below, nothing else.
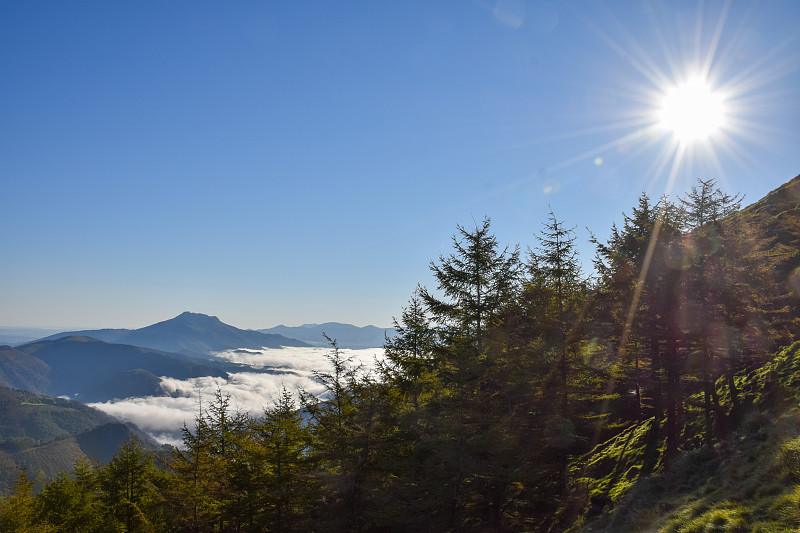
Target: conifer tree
(277, 461)
(555, 278)
(71, 502)
(336, 448)
(193, 468)
(409, 351)
(620, 309)
(129, 485)
(555, 268)
(205, 467)
(18, 510)
(475, 280)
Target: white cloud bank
(290, 368)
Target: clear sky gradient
(294, 162)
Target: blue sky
(294, 162)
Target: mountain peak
(188, 316)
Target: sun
(692, 111)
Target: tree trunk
(673, 395)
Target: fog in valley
(251, 392)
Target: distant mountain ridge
(345, 335)
(192, 334)
(91, 370)
(18, 335)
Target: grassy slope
(747, 483)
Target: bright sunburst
(692, 111)
(695, 99)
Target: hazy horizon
(59, 329)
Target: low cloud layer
(251, 392)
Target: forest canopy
(500, 400)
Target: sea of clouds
(278, 368)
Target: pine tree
(205, 467)
(554, 267)
(71, 502)
(279, 467)
(130, 491)
(333, 430)
(706, 203)
(619, 310)
(409, 353)
(18, 510)
(555, 279)
(475, 280)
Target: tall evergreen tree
(130, 489)
(71, 502)
(18, 510)
(205, 467)
(409, 352)
(555, 268)
(475, 280)
(555, 279)
(278, 463)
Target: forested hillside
(91, 370)
(48, 435)
(520, 394)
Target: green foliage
(73, 502)
(17, 511)
(613, 467)
(130, 489)
(204, 491)
(749, 483)
(517, 398)
(280, 467)
(50, 434)
(476, 280)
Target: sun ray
(600, 149)
(697, 65)
(698, 32)
(677, 161)
(740, 155)
(711, 150)
(639, 149)
(715, 39)
(746, 79)
(672, 62)
(755, 132)
(653, 73)
(658, 168)
(637, 121)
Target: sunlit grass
(747, 483)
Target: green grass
(747, 483)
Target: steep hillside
(776, 219)
(49, 434)
(747, 482)
(778, 215)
